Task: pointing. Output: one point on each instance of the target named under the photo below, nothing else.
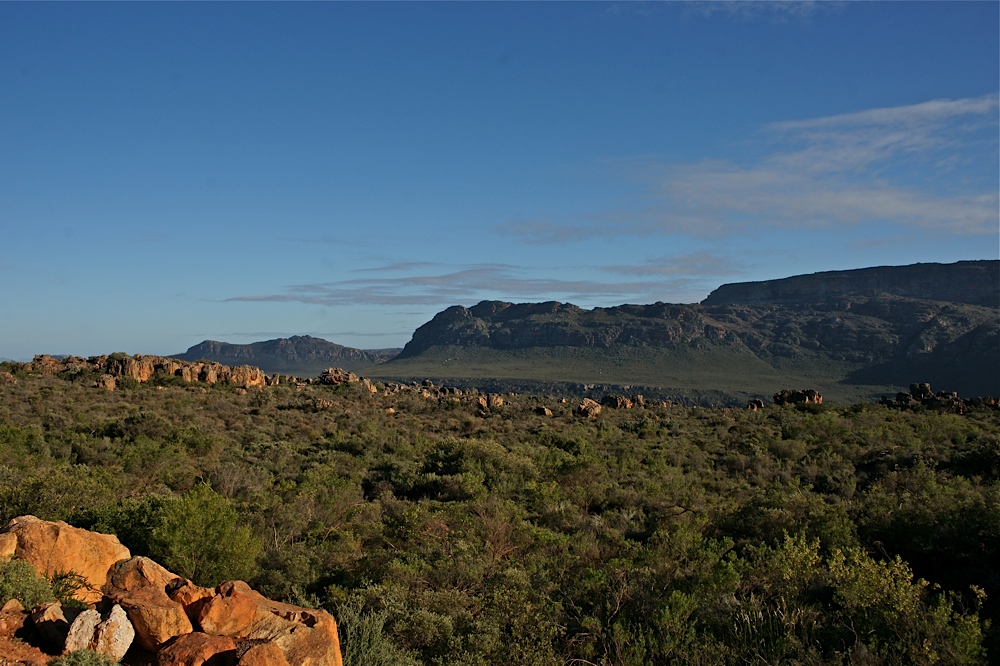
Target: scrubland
(438, 533)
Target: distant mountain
(972, 282)
(300, 355)
(851, 334)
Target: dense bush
(439, 535)
(19, 580)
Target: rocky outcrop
(921, 396)
(55, 547)
(337, 376)
(588, 408)
(143, 606)
(111, 368)
(196, 649)
(616, 402)
(806, 396)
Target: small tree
(200, 537)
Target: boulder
(337, 376)
(265, 654)
(139, 585)
(589, 408)
(114, 634)
(543, 411)
(111, 636)
(788, 397)
(52, 622)
(196, 649)
(616, 402)
(245, 376)
(55, 547)
(305, 636)
(13, 618)
(7, 378)
(12, 606)
(81, 632)
(192, 597)
(754, 405)
(137, 573)
(106, 382)
(155, 618)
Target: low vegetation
(441, 534)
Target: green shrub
(19, 580)
(83, 658)
(365, 640)
(200, 537)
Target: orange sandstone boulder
(589, 408)
(139, 585)
(192, 597)
(305, 636)
(265, 654)
(197, 649)
(136, 573)
(54, 547)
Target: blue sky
(245, 171)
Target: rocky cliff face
(972, 282)
(110, 368)
(299, 355)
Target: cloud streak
(930, 166)
(470, 284)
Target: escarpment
(109, 369)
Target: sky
(175, 172)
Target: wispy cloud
(930, 166)
(473, 283)
(692, 266)
(779, 10)
(398, 266)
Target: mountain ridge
(301, 355)
(856, 334)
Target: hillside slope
(300, 355)
(851, 334)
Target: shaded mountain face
(300, 355)
(878, 327)
(971, 282)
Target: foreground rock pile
(136, 610)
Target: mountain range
(299, 355)
(853, 335)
